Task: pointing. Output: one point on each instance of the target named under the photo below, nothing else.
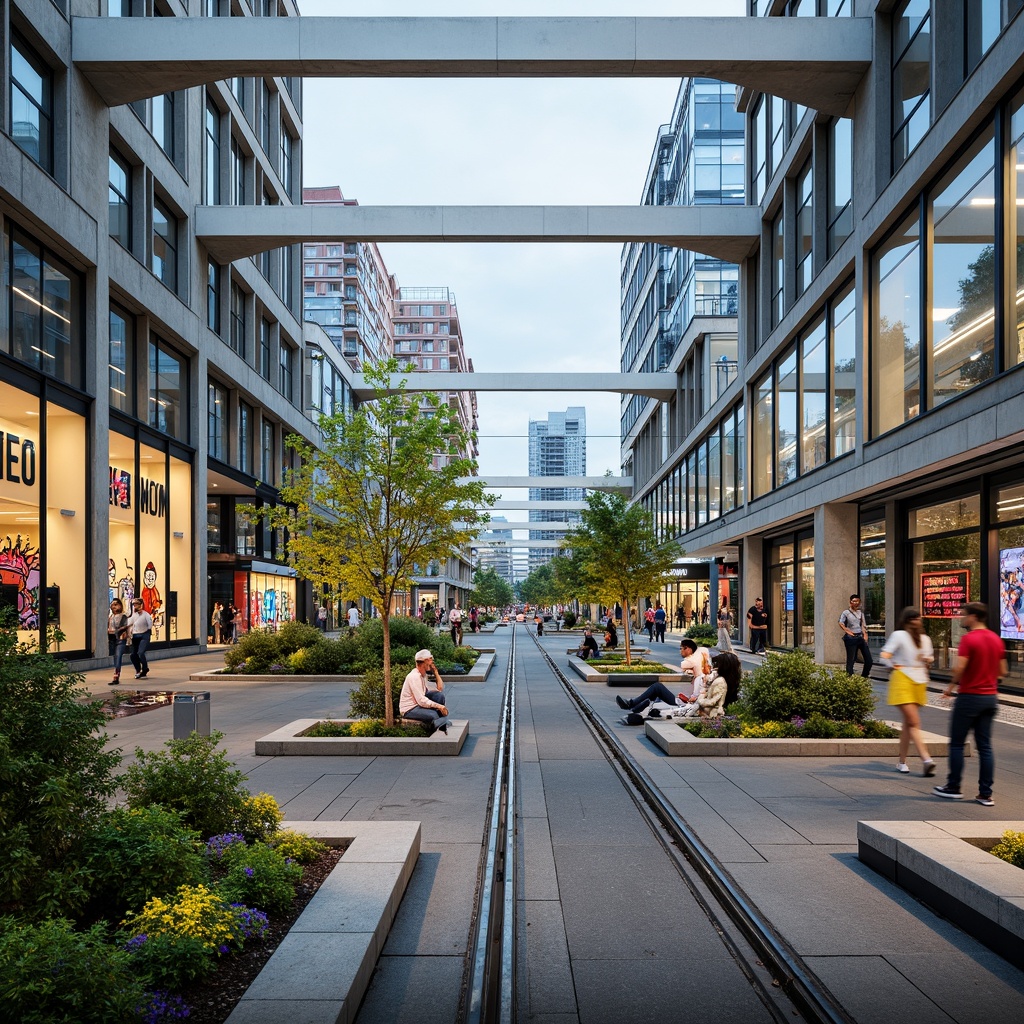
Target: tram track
(775, 970)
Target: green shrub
(259, 819)
(374, 727)
(878, 730)
(636, 668)
(171, 960)
(51, 973)
(405, 632)
(190, 776)
(790, 684)
(326, 658)
(703, 634)
(1011, 848)
(726, 728)
(466, 656)
(56, 776)
(367, 699)
(134, 854)
(259, 877)
(298, 846)
(254, 653)
(293, 636)
(570, 620)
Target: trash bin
(191, 713)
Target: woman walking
(909, 649)
(117, 636)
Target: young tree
(616, 553)
(490, 590)
(368, 510)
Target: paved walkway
(604, 936)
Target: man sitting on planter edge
(419, 703)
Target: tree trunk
(389, 710)
(627, 627)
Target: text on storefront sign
(17, 459)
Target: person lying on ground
(711, 702)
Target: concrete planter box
(320, 972)
(946, 864)
(586, 670)
(477, 674)
(291, 741)
(677, 742)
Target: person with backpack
(649, 624)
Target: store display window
(1009, 520)
(43, 489)
(271, 600)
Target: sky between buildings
(531, 307)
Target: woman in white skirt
(909, 650)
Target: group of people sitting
(716, 684)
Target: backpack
(649, 615)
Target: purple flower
(222, 949)
(217, 846)
(162, 1005)
(136, 943)
(249, 872)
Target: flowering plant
(260, 817)
(161, 1005)
(217, 846)
(260, 877)
(194, 911)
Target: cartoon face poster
(1011, 593)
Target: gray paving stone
(353, 894)
(749, 817)
(536, 876)
(874, 992)
(711, 828)
(339, 808)
(623, 903)
(435, 913)
(318, 796)
(306, 1011)
(645, 992)
(413, 990)
(542, 944)
(532, 803)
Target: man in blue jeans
(980, 664)
(855, 636)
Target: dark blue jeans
(656, 691)
(757, 640)
(974, 711)
(853, 645)
(428, 715)
(140, 643)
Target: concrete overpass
(814, 61)
(591, 483)
(234, 232)
(534, 506)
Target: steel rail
(812, 999)
(491, 986)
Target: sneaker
(947, 793)
(928, 769)
(902, 768)
(624, 704)
(985, 801)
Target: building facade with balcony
(145, 389)
(678, 314)
(870, 442)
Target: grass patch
(814, 728)
(637, 668)
(373, 727)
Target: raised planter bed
(586, 670)
(677, 742)
(946, 864)
(477, 674)
(320, 972)
(291, 741)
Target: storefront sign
(17, 459)
(152, 498)
(693, 571)
(943, 594)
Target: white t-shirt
(140, 622)
(906, 655)
(455, 615)
(353, 616)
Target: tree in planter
(368, 508)
(616, 553)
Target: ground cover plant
(1011, 848)
(637, 668)
(703, 634)
(298, 649)
(112, 913)
(816, 727)
(374, 727)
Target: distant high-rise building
(558, 447)
(496, 549)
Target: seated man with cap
(419, 703)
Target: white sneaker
(902, 768)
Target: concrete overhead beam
(655, 385)
(235, 232)
(502, 527)
(537, 506)
(815, 61)
(591, 483)
(493, 548)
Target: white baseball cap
(423, 655)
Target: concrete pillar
(835, 576)
(751, 582)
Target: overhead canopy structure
(653, 385)
(814, 61)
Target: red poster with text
(943, 594)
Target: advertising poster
(1011, 593)
(943, 594)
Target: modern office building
(145, 389)
(881, 361)
(348, 290)
(679, 308)
(558, 447)
(496, 549)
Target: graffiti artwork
(20, 567)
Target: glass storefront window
(844, 375)
(729, 463)
(271, 600)
(1010, 503)
(963, 276)
(741, 457)
(1009, 506)
(791, 591)
(780, 597)
(785, 424)
(813, 386)
(714, 476)
(872, 578)
(945, 517)
(179, 606)
(121, 361)
(896, 334)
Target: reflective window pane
(844, 374)
(814, 393)
(785, 422)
